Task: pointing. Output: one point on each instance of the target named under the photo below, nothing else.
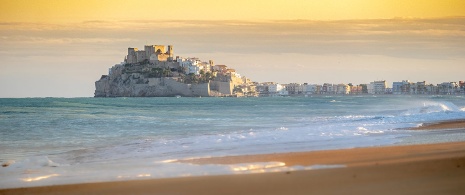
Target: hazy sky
(60, 48)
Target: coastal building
(343, 89)
(388, 91)
(432, 89)
(195, 69)
(462, 87)
(377, 87)
(327, 88)
(418, 88)
(402, 87)
(191, 65)
(356, 89)
(448, 88)
(311, 89)
(262, 89)
(277, 90)
(194, 65)
(294, 88)
(380, 86)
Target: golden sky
(61, 11)
(59, 48)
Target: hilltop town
(156, 72)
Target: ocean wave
(101, 131)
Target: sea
(51, 141)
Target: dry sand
(415, 169)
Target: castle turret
(170, 53)
(149, 50)
(131, 57)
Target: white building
(277, 89)
(310, 89)
(377, 87)
(193, 65)
(195, 69)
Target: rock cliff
(137, 85)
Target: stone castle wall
(225, 88)
(135, 85)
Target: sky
(55, 48)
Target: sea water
(46, 141)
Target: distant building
(194, 65)
(377, 87)
(277, 90)
(418, 88)
(294, 88)
(401, 87)
(462, 86)
(448, 88)
(220, 68)
(327, 88)
(356, 89)
(388, 91)
(311, 89)
(343, 89)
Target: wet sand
(449, 125)
(414, 169)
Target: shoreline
(333, 156)
(425, 168)
(442, 125)
(353, 157)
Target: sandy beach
(413, 169)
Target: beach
(411, 169)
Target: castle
(151, 53)
(155, 72)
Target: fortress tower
(132, 55)
(170, 53)
(152, 53)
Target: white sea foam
(123, 139)
(33, 162)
